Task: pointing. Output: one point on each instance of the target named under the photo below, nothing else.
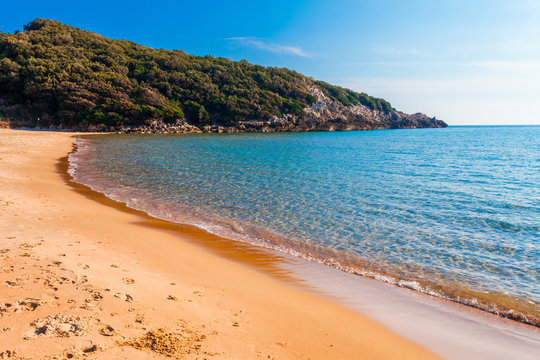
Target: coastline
(84, 279)
(173, 208)
(415, 315)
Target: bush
(73, 76)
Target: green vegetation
(70, 77)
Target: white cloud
(268, 46)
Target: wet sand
(81, 279)
(450, 330)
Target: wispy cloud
(269, 46)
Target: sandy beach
(82, 279)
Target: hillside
(57, 76)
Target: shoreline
(340, 300)
(402, 305)
(83, 146)
(82, 279)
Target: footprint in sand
(28, 304)
(128, 281)
(8, 354)
(91, 349)
(13, 284)
(107, 331)
(125, 297)
(95, 295)
(139, 318)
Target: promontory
(56, 76)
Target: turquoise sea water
(452, 212)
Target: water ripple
(452, 212)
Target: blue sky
(466, 62)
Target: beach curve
(84, 279)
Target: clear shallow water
(453, 212)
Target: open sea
(452, 212)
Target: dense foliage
(68, 76)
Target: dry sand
(82, 279)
